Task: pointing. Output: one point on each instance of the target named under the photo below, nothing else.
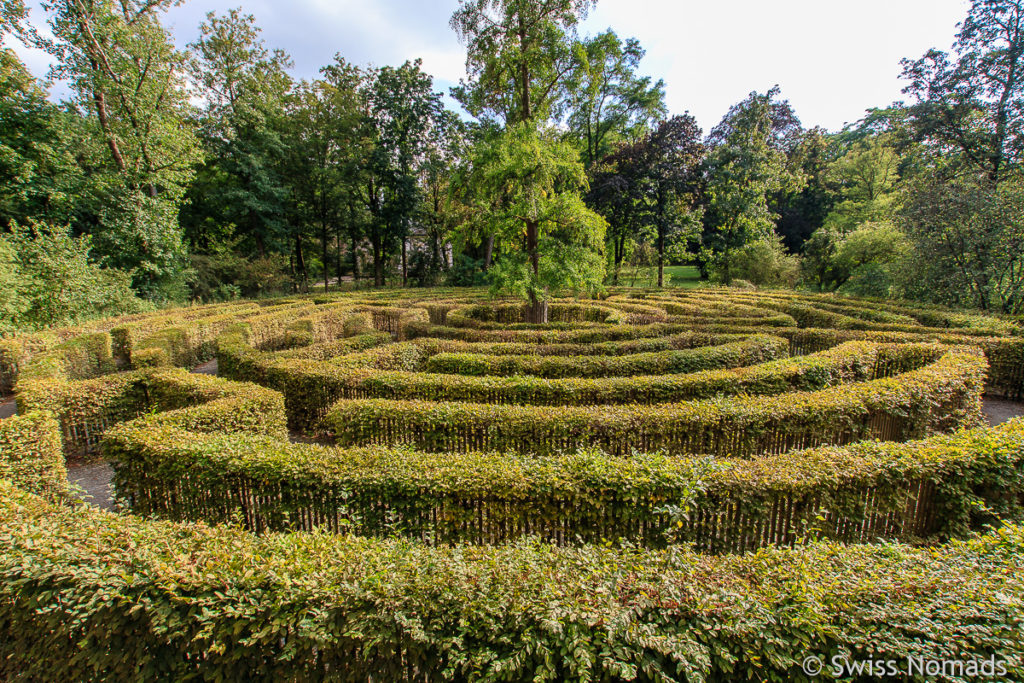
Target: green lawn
(677, 276)
(683, 276)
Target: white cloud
(832, 59)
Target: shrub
(30, 454)
(218, 603)
(931, 489)
(945, 395)
(736, 354)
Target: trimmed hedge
(943, 396)
(864, 492)
(86, 595)
(142, 601)
(87, 409)
(855, 361)
(30, 454)
(755, 350)
(673, 342)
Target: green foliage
(30, 454)
(47, 279)
(746, 165)
(868, 180)
(866, 261)
(967, 104)
(607, 101)
(968, 242)
(219, 601)
(35, 150)
(737, 354)
(763, 263)
(580, 497)
(129, 90)
(550, 240)
(518, 56)
(941, 396)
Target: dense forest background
(212, 173)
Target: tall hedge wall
(944, 395)
(30, 454)
(142, 601)
(921, 490)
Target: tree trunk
(324, 237)
(300, 265)
(537, 309)
(661, 256)
(338, 253)
(355, 259)
(532, 239)
(378, 265)
(488, 252)
(405, 265)
(620, 253)
(435, 257)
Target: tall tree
(127, 78)
(652, 187)
(519, 55)
(533, 179)
(444, 210)
(867, 184)
(968, 238)
(804, 210)
(326, 141)
(244, 86)
(607, 101)
(41, 177)
(403, 110)
(972, 102)
(519, 58)
(746, 166)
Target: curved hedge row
(85, 410)
(216, 603)
(924, 490)
(757, 349)
(79, 588)
(846, 363)
(944, 395)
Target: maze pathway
(93, 478)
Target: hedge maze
(702, 485)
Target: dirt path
(208, 368)
(93, 478)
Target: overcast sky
(832, 59)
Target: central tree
(520, 55)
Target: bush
(945, 395)
(933, 489)
(47, 279)
(737, 354)
(30, 454)
(763, 263)
(216, 603)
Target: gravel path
(94, 477)
(8, 407)
(94, 480)
(999, 410)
